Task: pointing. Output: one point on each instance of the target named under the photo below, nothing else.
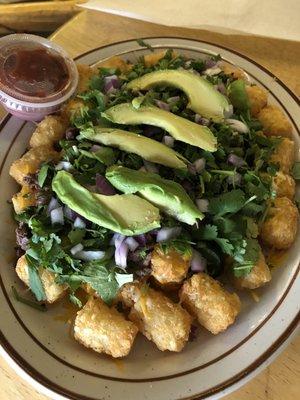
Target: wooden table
(281, 380)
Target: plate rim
(261, 361)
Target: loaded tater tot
(161, 320)
(274, 122)
(235, 72)
(213, 306)
(280, 227)
(258, 98)
(85, 73)
(48, 131)
(104, 329)
(72, 108)
(53, 290)
(170, 267)
(259, 275)
(284, 185)
(30, 162)
(153, 58)
(284, 155)
(23, 199)
(114, 62)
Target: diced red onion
(79, 223)
(168, 141)
(236, 179)
(69, 214)
(173, 99)
(201, 121)
(187, 185)
(71, 133)
(117, 239)
(123, 278)
(121, 255)
(210, 63)
(63, 165)
(202, 204)
(103, 186)
(141, 239)
(162, 105)
(235, 160)
(95, 148)
(150, 167)
(199, 164)
(221, 88)
(90, 255)
(168, 233)
(131, 243)
(57, 216)
(111, 83)
(52, 205)
(212, 71)
(149, 130)
(74, 250)
(237, 125)
(198, 262)
(192, 169)
(228, 113)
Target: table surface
(88, 30)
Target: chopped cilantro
(230, 202)
(35, 282)
(99, 276)
(42, 175)
(246, 258)
(142, 43)
(27, 302)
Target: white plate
(39, 345)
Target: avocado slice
(180, 128)
(126, 214)
(149, 149)
(203, 97)
(167, 195)
(238, 95)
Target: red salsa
(33, 71)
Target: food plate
(38, 345)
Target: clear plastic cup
(34, 108)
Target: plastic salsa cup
(36, 76)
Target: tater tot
(104, 329)
(85, 73)
(23, 199)
(53, 290)
(280, 227)
(284, 185)
(235, 72)
(30, 162)
(259, 275)
(114, 62)
(284, 155)
(258, 98)
(213, 306)
(153, 58)
(169, 267)
(274, 122)
(72, 108)
(161, 320)
(50, 130)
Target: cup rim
(25, 37)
